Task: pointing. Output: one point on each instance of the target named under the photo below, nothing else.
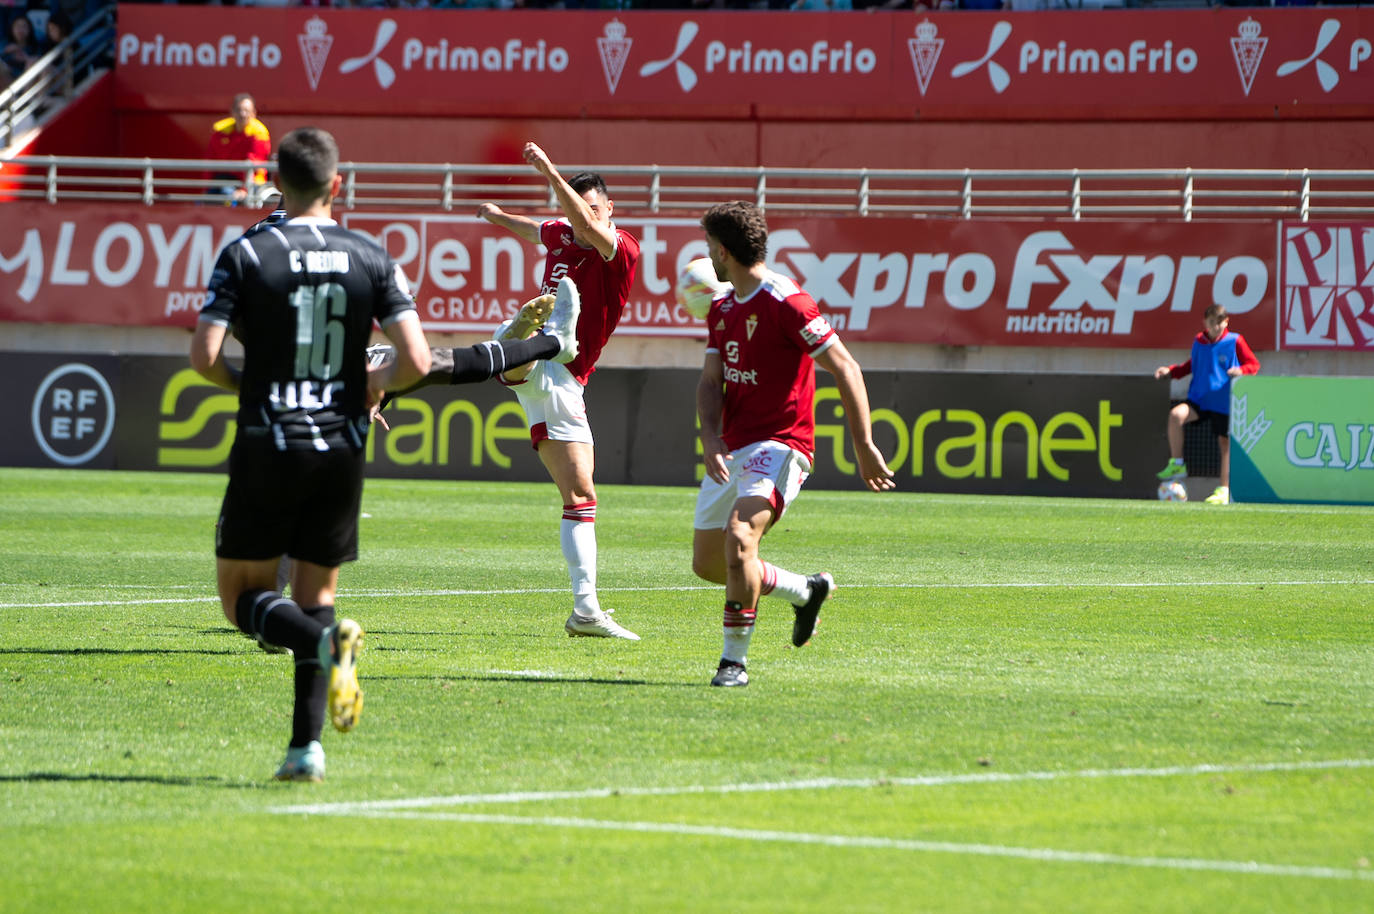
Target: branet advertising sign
(953, 282)
(1245, 63)
(1046, 434)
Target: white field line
(1043, 854)
(423, 808)
(915, 585)
(931, 780)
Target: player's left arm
(207, 355)
(849, 380)
(1246, 357)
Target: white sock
(739, 628)
(577, 536)
(788, 585)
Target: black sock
(489, 359)
(312, 688)
(275, 620)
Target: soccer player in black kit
(302, 295)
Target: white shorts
(553, 404)
(768, 469)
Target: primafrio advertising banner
(1125, 63)
(1302, 439)
(1040, 434)
(1125, 285)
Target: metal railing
(1159, 194)
(52, 79)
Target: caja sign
(1302, 439)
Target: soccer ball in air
(697, 285)
(1172, 490)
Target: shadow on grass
(112, 651)
(59, 777)
(532, 679)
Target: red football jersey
(603, 284)
(767, 343)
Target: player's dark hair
(740, 228)
(307, 160)
(584, 181)
(242, 96)
(1215, 313)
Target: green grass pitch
(1012, 704)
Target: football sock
(577, 537)
(492, 357)
(779, 582)
(739, 628)
(275, 620)
(312, 688)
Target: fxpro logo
(820, 57)
(1116, 285)
(73, 414)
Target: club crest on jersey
(816, 329)
(751, 324)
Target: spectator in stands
(22, 47)
(236, 138)
(76, 11)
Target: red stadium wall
(802, 144)
(1261, 88)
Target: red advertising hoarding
(1326, 287)
(1255, 63)
(954, 282)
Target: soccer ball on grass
(697, 285)
(1172, 490)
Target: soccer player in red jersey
(586, 247)
(754, 400)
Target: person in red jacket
(237, 138)
(1218, 356)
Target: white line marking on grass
(422, 808)
(932, 780)
(862, 841)
(913, 585)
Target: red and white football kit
(767, 344)
(603, 284)
(551, 394)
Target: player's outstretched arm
(523, 226)
(849, 380)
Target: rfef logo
(73, 414)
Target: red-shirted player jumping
(758, 428)
(586, 247)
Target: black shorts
(1220, 422)
(299, 503)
